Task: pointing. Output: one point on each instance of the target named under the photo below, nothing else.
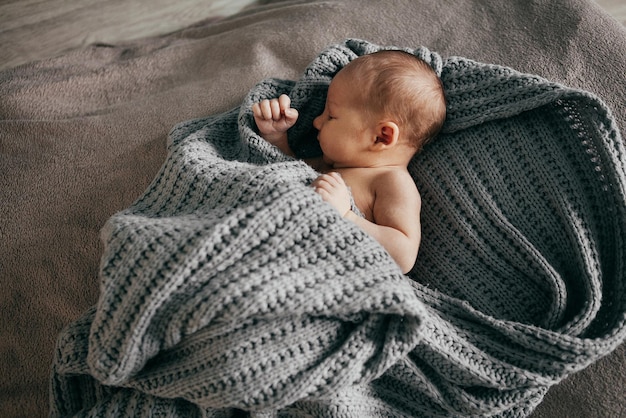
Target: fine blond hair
(402, 87)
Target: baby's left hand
(334, 190)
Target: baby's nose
(317, 122)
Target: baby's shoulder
(396, 185)
(394, 178)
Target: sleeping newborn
(380, 110)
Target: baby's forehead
(341, 86)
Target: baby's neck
(322, 166)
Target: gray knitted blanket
(229, 285)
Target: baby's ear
(387, 134)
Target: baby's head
(402, 87)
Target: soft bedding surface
(82, 136)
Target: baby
(380, 110)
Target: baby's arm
(273, 118)
(396, 213)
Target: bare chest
(360, 183)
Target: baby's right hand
(274, 117)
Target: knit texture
(229, 284)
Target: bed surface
(34, 30)
(83, 134)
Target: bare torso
(362, 182)
(390, 203)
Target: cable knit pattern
(229, 284)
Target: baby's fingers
(275, 109)
(262, 110)
(284, 102)
(337, 177)
(256, 111)
(333, 178)
(328, 182)
(333, 190)
(290, 114)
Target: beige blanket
(82, 136)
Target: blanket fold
(230, 284)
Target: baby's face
(343, 131)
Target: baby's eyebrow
(329, 104)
